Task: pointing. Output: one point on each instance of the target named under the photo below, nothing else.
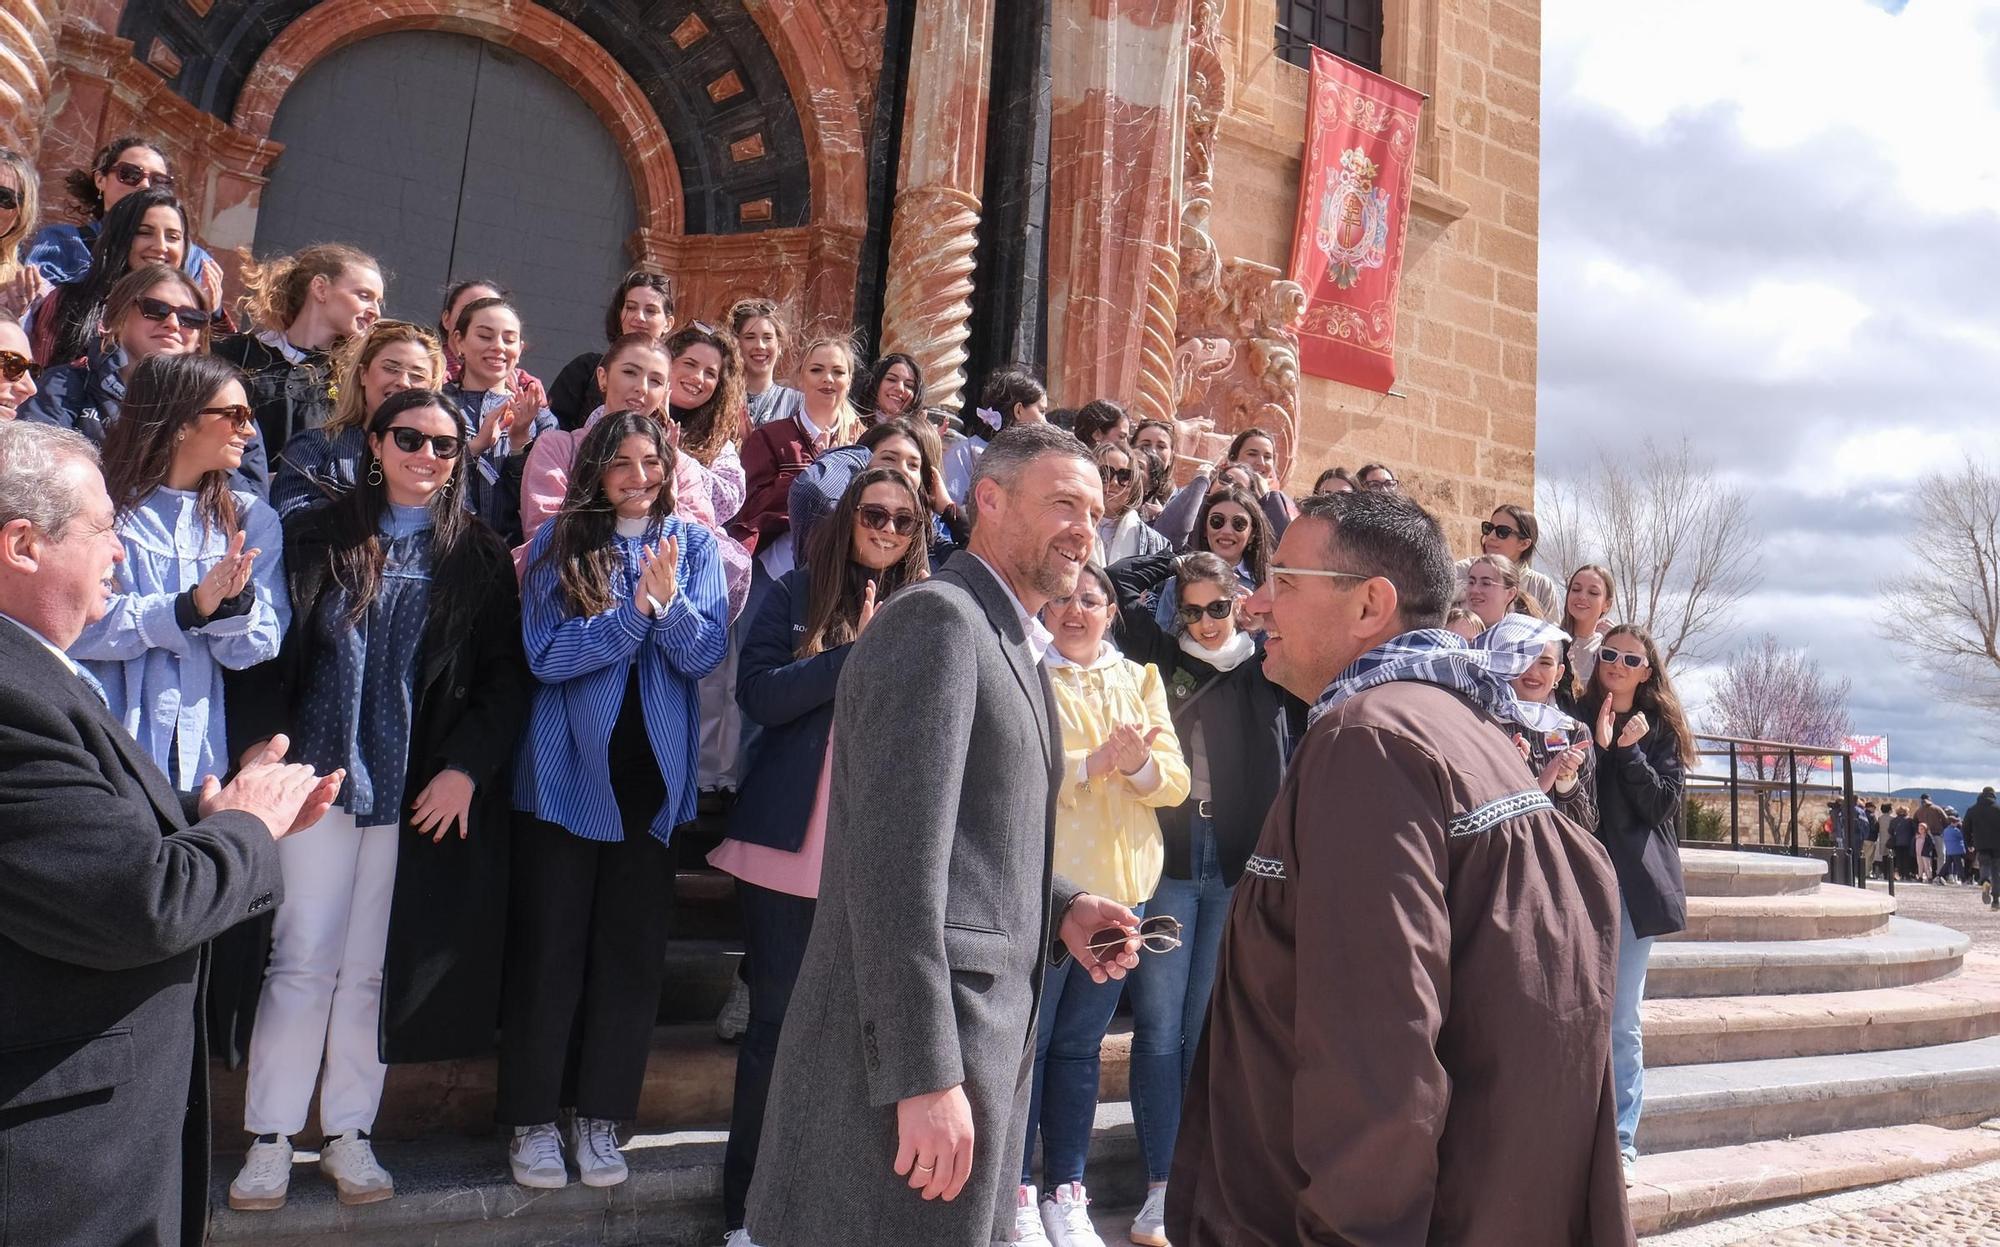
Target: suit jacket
(109, 891)
(925, 965)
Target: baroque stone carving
(927, 307)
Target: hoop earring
(374, 471)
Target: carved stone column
(1119, 80)
(27, 64)
(927, 306)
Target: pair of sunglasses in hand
(1160, 934)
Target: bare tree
(1772, 692)
(1676, 537)
(1946, 618)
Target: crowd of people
(1924, 843)
(476, 647)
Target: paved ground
(1949, 905)
(1959, 1209)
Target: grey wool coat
(935, 905)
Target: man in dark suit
(111, 882)
(910, 1032)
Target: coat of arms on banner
(1354, 220)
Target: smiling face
(1042, 531)
(1226, 531)
(113, 188)
(1539, 680)
(396, 367)
(634, 477)
(825, 376)
(351, 302)
(760, 344)
(644, 311)
(693, 375)
(491, 348)
(1619, 678)
(900, 453)
(897, 390)
(74, 578)
(215, 442)
(141, 337)
(159, 239)
(1487, 593)
(10, 217)
(1260, 455)
(1513, 545)
(1080, 620)
(410, 477)
(1588, 600)
(636, 380)
(1207, 631)
(1115, 470)
(1153, 438)
(18, 389)
(878, 549)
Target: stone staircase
(1801, 1039)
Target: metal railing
(1791, 786)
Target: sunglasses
(236, 413)
(410, 441)
(133, 175)
(191, 318)
(1218, 609)
(901, 523)
(1230, 523)
(1115, 476)
(1503, 531)
(12, 365)
(1614, 656)
(1161, 934)
(10, 199)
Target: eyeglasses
(12, 365)
(133, 175)
(10, 199)
(1218, 609)
(1380, 482)
(1503, 531)
(191, 318)
(1159, 934)
(901, 523)
(236, 413)
(410, 441)
(1278, 570)
(1089, 602)
(1231, 523)
(1115, 476)
(1616, 656)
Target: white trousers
(322, 996)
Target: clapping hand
(211, 283)
(658, 565)
(1562, 768)
(493, 426)
(285, 797)
(1605, 716)
(1634, 731)
(867, 609)
(227, 578)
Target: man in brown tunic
(1409, 1037)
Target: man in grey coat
(898, 1107)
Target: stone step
(1683, 1188)
(1714, 1105)
(457, 1193)
(1901, 953)
(690, 1082)
(1826, 912)
(1723, 872)
(1962, 1006)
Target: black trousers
(586, 957)
(776, 926)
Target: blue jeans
(1170, 999)
(1069, 1036)
(1628, 1062)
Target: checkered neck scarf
(1483, 670)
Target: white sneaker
(593, 1141)
(734, 1020)
(1631, 1170)
(536, 1157)
(1149, 1228)
(349, 1159)
(1027, 1227)
(266, 1175)
(738, 1238)
(1066, 1216)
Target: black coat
(109, 891)
(792, 699)
(1247, 723)
(448, 916)
(1638, 813)
(573, 395)
(1982, 825)
(287, 397)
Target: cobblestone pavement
(1959, 1209)
(1949, 905)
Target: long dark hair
(1257, 552)
(163, 398)
(580, 546)
(1099, 415)
(869, 400)
(637, 279)
(82, 183)
(1142, 472)
(358, 551)
(1005, 389)
(1656, 698)
(81, 302)
(930, 451)
(833, 608)
(126, 292)
(706, 429)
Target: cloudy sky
(1774, 225)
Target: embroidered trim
(1264, 867)
(1498, 811)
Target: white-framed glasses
(1276, 570)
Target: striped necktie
(90, 682)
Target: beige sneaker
(349, 1159)
(266, 1176)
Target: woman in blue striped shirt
(623, 612)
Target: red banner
(1354, 201)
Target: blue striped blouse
(582, 665)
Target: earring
(375, 472)
(181, 436)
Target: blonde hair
(25, 219)
(847, 425)
(277, 288)
(352, 357)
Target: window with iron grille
(1351, 29)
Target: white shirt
(1039, 637)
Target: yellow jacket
(1107, 836)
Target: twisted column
(927, 307)
(27, 56)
